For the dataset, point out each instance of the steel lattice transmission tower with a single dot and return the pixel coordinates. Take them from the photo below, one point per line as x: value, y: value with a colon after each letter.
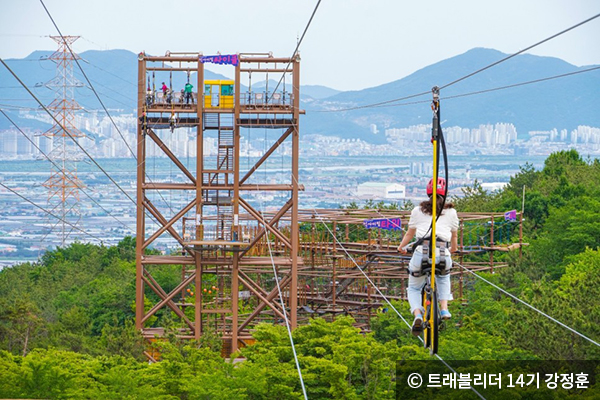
x: 63, y: 184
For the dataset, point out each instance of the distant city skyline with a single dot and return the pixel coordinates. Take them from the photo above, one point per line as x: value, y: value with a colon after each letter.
x: 498, y: 138
x: 350, y: 45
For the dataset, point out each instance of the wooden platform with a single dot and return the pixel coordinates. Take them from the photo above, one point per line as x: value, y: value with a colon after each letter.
x: 215, y: 243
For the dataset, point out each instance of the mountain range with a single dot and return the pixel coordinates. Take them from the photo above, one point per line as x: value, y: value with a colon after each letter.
x: 562, y: 103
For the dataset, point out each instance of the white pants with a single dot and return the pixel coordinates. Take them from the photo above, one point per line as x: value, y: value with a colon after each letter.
x: 415, y: 285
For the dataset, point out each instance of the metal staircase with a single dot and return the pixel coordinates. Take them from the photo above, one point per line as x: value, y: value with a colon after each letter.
x: 222, y: 174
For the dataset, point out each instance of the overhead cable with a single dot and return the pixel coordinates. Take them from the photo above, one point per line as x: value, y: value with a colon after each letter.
x: 287, y: 323
x: 519, y: 52
x: 475, y: 92
x: 49, y: 213
x: 297, y: 47
x: 88, y: 81
x: 470, y: 74
x: 530, y: 306
x: 67, y: 132
x: 59, y: 168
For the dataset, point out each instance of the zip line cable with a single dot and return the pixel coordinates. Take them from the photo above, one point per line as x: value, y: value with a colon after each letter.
x: 49, y: 213
x: 384, y: 297
x: 374, y: 286
x: 295, y: 50
x: 475, y: 92
x: 381, y: 104
x: 520, y: 84
x: 516, y: 298
x: 100, y: 100
x: 58, y: 167
x: 472, y: 73
x: 287, y: 323
x: 519, y: 52
x: 529, y: 305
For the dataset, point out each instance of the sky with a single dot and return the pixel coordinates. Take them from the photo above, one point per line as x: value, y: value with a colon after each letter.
x: 350, y: 45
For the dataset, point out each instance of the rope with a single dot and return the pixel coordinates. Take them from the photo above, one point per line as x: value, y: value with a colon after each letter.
x: 530, y: 306
x: 385, y: 298
x: 287, y: 323
x: 520, y: 51
x: 296, y: 50
x: 471, y: 74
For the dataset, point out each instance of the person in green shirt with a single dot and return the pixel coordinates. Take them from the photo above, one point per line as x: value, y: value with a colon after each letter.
x: 188, y: 93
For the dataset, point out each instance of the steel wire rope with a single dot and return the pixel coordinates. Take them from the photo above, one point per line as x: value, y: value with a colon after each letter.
x: 530, y: 306
x: 371, y: 282
x: 386, y: 299
x: 276, y: 276
x: 295, y: 50
x: 472, y: 73
x: 58, y: 167
x: 87, y: 79
x: 365, y: 275
x: 65, y: 130
x: 494, y: 89
x: 519, y: 52
x: 381, y: 294
x: 69, y: 134
x: 98, y: 97
x: 287, y: 323
x: 49, y: 213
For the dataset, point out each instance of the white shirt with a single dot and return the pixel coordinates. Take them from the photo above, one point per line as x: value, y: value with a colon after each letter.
x: 445, y: 225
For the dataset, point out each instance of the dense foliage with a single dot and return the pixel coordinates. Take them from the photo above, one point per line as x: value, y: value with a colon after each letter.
x: 66, y: 327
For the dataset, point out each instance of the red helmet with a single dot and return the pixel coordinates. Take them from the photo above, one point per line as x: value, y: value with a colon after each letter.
x: 441, y: 187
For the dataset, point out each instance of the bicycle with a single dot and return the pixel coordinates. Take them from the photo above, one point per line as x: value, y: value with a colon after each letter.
x: 432, y: 320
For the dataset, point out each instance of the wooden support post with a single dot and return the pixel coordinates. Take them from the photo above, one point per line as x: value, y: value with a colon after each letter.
x: 141, y: 194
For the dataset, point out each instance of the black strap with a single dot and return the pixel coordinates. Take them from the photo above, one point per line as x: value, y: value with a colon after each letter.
x: 439, y: 142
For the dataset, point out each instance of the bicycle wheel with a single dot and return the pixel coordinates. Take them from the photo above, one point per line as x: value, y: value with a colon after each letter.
x: 426, y: 330
x: 435, y: 323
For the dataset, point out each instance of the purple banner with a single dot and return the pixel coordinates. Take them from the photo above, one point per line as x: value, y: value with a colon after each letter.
x: 510, y: 215
x: 229, y: 59
x: 387, y: 224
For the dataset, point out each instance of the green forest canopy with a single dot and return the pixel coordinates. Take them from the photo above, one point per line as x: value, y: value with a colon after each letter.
x: 66, y: 322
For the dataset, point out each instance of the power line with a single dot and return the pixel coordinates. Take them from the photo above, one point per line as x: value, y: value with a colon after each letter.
x: 115, y: 75
x: 58, y: 167
x: 88, y: 81
x: 49, y: 213
x: 530, y: 306
x: 98, y: 97
x: 66, y: 131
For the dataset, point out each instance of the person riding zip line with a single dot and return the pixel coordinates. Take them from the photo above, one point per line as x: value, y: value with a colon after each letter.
x: 446, y: 229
